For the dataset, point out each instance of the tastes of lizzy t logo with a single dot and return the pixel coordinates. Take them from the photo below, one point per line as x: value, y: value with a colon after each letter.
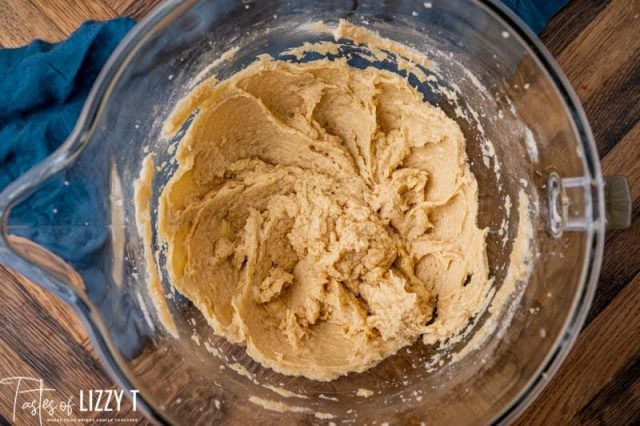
x: 32, y: 398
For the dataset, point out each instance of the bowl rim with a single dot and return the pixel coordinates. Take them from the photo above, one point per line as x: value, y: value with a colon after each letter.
x: 594, y: 246
x: 99, y: 96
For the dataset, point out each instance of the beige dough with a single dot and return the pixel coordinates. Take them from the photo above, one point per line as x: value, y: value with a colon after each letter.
x: 323, y: 216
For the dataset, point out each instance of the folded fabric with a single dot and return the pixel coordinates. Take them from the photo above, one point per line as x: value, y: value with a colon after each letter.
x: 536, y: 13
x: 43, y: 87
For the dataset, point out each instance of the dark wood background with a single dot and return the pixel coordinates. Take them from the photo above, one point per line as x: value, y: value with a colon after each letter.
x: 596, y: 42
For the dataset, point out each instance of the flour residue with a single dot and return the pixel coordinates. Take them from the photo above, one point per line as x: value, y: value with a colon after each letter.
x: 281, y: 407
x: 531, y: 145
x: 507, y: 299
x: 142, y: 202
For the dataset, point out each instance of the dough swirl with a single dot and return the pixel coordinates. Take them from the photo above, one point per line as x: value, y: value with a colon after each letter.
x: 318, y: 215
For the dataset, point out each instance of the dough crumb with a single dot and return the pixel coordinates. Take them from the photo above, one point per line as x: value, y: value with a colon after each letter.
x: 365, y: 393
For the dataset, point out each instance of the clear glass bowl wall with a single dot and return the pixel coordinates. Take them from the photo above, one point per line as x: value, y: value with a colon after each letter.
x: 180, y: 380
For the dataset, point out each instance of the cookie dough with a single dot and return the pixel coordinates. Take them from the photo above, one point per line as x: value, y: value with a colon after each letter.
x: 322, y: 215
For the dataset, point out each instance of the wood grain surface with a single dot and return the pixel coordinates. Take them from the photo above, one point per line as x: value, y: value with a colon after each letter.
x: 596, y: 42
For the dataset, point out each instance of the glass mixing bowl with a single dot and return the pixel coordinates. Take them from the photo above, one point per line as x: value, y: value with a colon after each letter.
x: 507, y: 90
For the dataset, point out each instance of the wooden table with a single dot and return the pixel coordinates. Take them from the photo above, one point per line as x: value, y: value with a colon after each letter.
x: 596, y: 42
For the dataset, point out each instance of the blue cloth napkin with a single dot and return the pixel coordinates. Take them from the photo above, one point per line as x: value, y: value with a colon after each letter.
x: 536, y: 13
x: 43, y: 87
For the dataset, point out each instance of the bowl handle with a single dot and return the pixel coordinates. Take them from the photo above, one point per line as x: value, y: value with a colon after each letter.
x: 568, y: 198
x: 618, y: 202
